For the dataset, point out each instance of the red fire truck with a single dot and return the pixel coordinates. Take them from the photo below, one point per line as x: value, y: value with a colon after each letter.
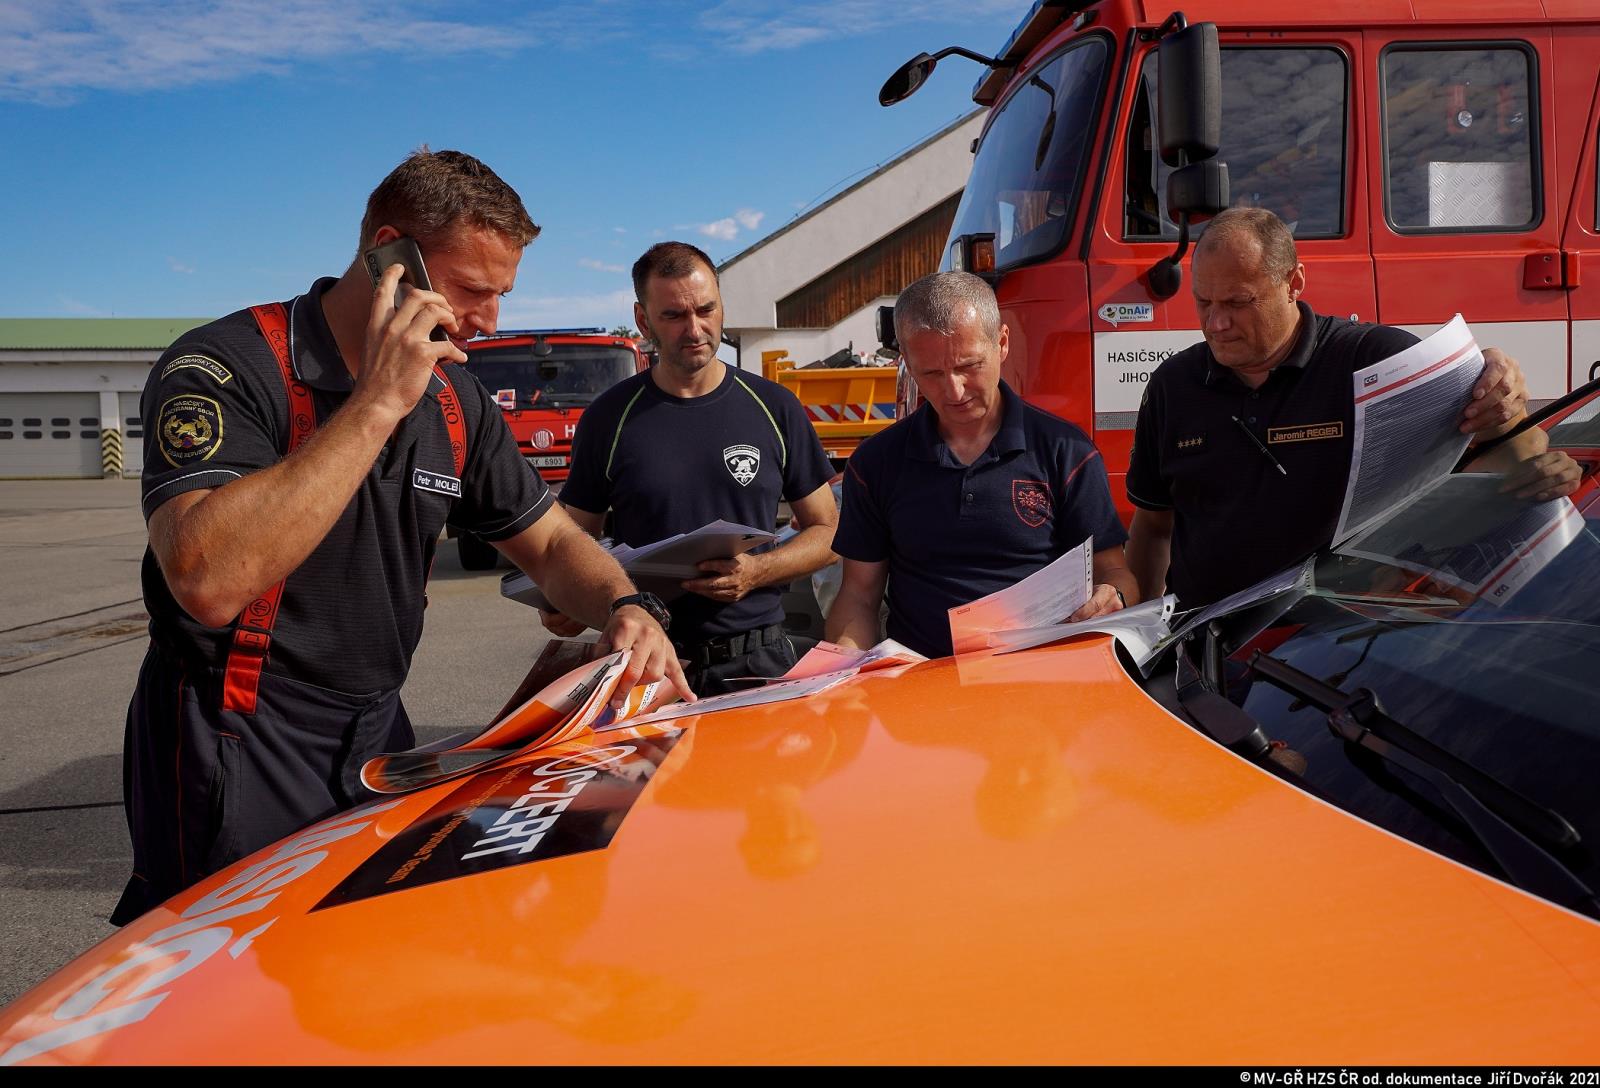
x: 1432, y: 156
x: 543, y: 379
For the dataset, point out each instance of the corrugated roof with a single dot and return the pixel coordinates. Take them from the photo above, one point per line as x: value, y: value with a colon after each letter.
x: 90, y: 333
x: 890, y: 165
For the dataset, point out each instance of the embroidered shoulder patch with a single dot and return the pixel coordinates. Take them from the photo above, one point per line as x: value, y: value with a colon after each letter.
x: 191, y: 429
x: 200, y: 362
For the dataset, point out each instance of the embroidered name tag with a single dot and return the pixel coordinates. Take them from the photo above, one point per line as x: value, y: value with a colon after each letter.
x: 1310, y: 432
x: 436, y: 481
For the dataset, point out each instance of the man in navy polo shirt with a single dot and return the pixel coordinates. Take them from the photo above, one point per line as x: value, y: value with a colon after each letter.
x: 691, y: 441
x: 971, y: 493
x: 1242, y: 448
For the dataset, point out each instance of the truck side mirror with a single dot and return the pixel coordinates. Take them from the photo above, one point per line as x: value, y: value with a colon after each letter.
x: 1190, y: 102
x: 886, y: 335
x: 906, y: 79
x: 1190, y: 124
x: 1201, y: 188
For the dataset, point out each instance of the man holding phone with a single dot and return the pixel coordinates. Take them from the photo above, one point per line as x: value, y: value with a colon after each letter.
x: 301, y: 459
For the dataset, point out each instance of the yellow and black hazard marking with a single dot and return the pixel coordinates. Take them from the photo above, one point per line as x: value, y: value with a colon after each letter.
x: 191, y: 429
x: 110, y: 452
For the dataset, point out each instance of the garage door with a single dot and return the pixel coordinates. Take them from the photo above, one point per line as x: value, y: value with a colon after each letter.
x: 50, y: 434
x: 132, y: 434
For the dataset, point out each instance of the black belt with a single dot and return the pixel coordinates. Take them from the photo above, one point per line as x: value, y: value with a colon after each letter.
x: 714, y: 651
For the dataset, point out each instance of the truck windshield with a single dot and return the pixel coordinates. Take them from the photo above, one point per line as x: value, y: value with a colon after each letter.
x: 571, y: 375
x: 1032, y: 158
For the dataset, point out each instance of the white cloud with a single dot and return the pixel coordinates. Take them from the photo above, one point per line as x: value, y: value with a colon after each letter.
x: 600, y: 266
x: 757, y: 26
x: 620, y: 230
x: 567, y: 311
x: 178, y: 266
x: 55, y: 51
x: 725, y: 230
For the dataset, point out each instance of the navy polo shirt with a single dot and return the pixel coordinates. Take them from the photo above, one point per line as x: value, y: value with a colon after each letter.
x: 1236, y: 518
x: 215, y: 409
x: 664, y: 465
x: 952, y: 533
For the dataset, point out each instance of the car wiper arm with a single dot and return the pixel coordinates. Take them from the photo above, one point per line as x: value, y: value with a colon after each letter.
x: 1510, y: 825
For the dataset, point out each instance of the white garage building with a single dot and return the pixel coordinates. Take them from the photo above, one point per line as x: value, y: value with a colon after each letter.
x: 69, y: 392
x: 814, y: 285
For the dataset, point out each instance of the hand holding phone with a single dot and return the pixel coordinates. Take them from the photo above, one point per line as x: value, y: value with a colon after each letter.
x: 403, y: 252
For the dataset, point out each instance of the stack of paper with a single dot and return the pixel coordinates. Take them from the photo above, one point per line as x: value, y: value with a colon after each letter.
x: 1046, y: 596
x: 660, y: 567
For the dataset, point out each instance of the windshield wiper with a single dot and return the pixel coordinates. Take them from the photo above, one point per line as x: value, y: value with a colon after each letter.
x: 1514, y: 828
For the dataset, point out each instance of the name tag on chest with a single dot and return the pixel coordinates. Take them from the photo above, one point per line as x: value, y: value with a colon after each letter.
x: 424, y: 480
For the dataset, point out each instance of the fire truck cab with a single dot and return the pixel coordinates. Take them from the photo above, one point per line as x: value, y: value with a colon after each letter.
x: 543, y: 379
x: 1431, y: 156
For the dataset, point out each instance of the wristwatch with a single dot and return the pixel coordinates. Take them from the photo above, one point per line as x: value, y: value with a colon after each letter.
x: 650, y: 603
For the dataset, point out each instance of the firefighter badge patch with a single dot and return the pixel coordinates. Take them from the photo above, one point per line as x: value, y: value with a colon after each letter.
x: 1031, y: 500
x: 743, y: 463
x: 191, y: 429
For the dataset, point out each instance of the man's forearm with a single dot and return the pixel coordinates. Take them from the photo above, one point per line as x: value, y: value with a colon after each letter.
x: 243, y: 537
x: 1148, y: 558
x: 582, y: 580
x: 852, y: 623
x: 809, y: 550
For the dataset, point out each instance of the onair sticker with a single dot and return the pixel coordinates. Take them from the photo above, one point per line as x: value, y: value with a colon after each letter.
x: 436, y: 481
x: 1133, y: 313
x: 547, y: 808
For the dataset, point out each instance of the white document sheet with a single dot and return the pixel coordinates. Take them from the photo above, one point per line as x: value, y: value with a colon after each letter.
x: 825, y: 658
x: 1137, y: 628
x: 1408, y: 412
x: 779, y: 692
x: 1046, y: 596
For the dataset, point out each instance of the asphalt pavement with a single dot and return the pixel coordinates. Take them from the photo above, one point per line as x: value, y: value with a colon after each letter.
x: 72, y: 634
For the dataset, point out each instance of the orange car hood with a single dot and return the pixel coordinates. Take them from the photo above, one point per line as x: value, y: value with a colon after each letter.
x: 991, y: 859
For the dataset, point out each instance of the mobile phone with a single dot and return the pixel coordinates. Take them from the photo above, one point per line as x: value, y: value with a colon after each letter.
x: 404, y: 252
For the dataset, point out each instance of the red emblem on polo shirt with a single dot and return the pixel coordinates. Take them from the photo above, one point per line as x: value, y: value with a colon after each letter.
x: 1031, y: 500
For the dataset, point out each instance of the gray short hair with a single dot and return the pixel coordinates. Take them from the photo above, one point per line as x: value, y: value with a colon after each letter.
x: 1278, y: 258
x: 941, y: 301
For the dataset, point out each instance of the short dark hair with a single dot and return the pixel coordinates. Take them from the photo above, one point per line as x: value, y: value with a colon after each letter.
x: 432, y: 192
x: 940, y: 301
x: 670, y: 260
x: 1278, y: 257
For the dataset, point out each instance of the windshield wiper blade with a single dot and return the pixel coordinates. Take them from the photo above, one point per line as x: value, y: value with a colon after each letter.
x: 1510, y: 825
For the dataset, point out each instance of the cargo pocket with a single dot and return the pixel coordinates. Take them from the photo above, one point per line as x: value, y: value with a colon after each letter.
x: 226, y: 783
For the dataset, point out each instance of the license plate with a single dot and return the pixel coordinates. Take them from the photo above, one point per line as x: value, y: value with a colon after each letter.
x: 548, y: 462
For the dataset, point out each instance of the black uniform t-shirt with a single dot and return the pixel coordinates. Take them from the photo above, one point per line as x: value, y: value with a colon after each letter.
x: 664, y: 465
x: 1237, y: 519
x: 215, y: 410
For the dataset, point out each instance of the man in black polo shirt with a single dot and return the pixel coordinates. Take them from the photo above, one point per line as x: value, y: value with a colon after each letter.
x: 972, y: 492
x: 689, y: 442
x: 1243, y: 442
x: 286, y: 591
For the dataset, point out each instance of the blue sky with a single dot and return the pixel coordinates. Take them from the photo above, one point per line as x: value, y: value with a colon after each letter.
x: 188, y: 159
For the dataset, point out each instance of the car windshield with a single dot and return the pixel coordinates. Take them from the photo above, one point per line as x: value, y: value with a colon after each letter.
x: 1468, y: 614
x: 1031, y: 161
x: 568, y: 375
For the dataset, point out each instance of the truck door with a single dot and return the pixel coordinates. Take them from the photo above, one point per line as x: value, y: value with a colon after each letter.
x: 1578, y: 55
x: 1288, y: 103
x: 1467, y: 209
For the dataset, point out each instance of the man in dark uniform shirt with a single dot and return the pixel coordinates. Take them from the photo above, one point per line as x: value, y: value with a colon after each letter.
x: 286, y: 591
x: 972, y: 492
x: 1242, y: 447
x: 692, y: 441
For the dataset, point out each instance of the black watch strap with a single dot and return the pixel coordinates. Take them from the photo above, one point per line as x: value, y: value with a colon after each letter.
x: 650, y: 603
